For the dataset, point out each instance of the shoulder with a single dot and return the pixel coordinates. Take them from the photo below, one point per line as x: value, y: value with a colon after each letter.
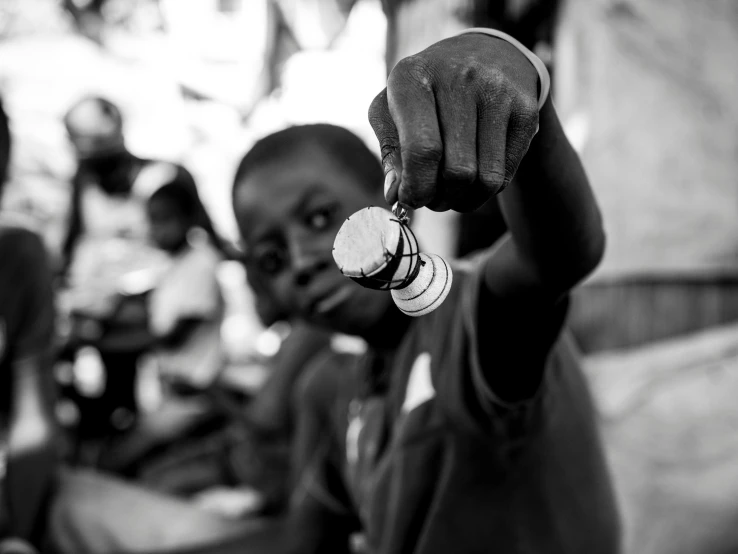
x: 328, y: 377
x: 20, y: 244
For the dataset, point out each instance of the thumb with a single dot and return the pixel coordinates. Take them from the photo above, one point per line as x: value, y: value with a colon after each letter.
x: 389, y: 144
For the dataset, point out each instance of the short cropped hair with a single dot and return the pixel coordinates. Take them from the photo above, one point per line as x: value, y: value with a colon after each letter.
x: 342, y: 145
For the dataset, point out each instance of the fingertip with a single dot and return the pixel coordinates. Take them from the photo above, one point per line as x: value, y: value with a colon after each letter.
x: 390, y: 186
x: 408, y: 199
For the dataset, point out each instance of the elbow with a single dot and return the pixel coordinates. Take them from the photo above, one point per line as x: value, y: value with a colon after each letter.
x: 579, y: 263
x: 590, y: 248
x: 593, y: 252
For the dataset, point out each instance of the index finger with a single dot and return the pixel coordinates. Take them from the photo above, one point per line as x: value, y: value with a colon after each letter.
x: 389, y: 144
x: 412, y: 107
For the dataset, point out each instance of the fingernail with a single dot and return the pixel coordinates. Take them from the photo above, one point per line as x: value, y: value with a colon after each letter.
x: 389, y: 180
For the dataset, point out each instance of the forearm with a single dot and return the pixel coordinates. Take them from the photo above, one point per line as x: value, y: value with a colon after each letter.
x: 270, y: 537
x: 551, y: 211
x: 297, y: 533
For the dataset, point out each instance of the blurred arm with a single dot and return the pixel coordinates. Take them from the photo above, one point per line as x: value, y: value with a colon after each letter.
x: 32, y: 453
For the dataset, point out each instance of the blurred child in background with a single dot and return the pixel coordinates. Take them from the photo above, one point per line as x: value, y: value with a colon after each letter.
x: 185, y: 311
x: 186, y: 307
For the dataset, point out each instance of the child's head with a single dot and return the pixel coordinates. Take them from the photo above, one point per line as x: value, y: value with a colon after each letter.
x: 95, y: 128
x: 292, y: 192
x: 172, y: 211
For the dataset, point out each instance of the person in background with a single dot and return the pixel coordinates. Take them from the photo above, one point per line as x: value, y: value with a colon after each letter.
x: 186, y: 306
x: 185, y: 312
x: 28, y: 451
x: 109, y: 262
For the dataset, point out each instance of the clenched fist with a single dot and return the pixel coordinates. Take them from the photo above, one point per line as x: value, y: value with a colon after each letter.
x: 455, y: 121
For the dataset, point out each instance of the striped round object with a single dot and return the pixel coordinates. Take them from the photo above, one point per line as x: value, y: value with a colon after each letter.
x: 377, y: 249
x: 428, y: 290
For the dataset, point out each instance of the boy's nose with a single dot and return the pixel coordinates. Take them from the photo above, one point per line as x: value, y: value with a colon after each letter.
x: 305, y: 261
x: 305, y: 272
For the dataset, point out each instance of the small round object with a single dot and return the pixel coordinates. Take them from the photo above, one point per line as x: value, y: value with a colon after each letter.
x: 428, y: 290
x: 376, y: 249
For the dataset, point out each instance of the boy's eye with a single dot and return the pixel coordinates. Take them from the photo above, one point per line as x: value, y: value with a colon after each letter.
x: 321, y: 218
x: 271, y: 261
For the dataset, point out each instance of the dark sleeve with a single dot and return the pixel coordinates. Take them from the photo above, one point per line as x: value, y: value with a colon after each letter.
x: 28, y: 311
x: 321, y: 398
x: 272, y: 409
x: 493, y: 353
x: 26, y: 292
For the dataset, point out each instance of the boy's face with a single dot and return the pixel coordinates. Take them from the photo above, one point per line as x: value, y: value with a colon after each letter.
x: 289, y: 212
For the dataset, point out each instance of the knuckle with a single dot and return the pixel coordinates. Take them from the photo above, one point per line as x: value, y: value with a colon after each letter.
x: 496, y: 82
x: 416, y: 196
x: 464, y: 172
x: 424, y: 150
x: 414, y: 70
x: 527, y: 110
x: 470, y: 72
x: 493, y: 179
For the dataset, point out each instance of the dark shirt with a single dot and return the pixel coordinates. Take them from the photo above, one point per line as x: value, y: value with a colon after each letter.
x: 26, y: 301
x: 441, y: 463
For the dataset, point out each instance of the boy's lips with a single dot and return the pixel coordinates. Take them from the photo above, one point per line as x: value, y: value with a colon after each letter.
x: 331, y: 299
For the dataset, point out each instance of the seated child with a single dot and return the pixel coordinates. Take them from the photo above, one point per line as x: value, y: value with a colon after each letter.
x: 185, y: 313
x: 185, y: 307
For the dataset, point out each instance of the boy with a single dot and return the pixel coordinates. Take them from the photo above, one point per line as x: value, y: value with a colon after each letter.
x: 474, y: 431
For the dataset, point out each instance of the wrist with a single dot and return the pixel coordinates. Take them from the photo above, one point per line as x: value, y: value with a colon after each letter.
x: 544, y: 79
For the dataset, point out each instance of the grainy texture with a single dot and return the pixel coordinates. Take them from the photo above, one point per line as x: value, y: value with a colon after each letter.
x: 648, y: 87
x: 668, y: 416
x: 625, y: 313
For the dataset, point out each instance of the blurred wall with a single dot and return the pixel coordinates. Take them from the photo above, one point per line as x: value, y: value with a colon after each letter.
x: 646, y: 91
